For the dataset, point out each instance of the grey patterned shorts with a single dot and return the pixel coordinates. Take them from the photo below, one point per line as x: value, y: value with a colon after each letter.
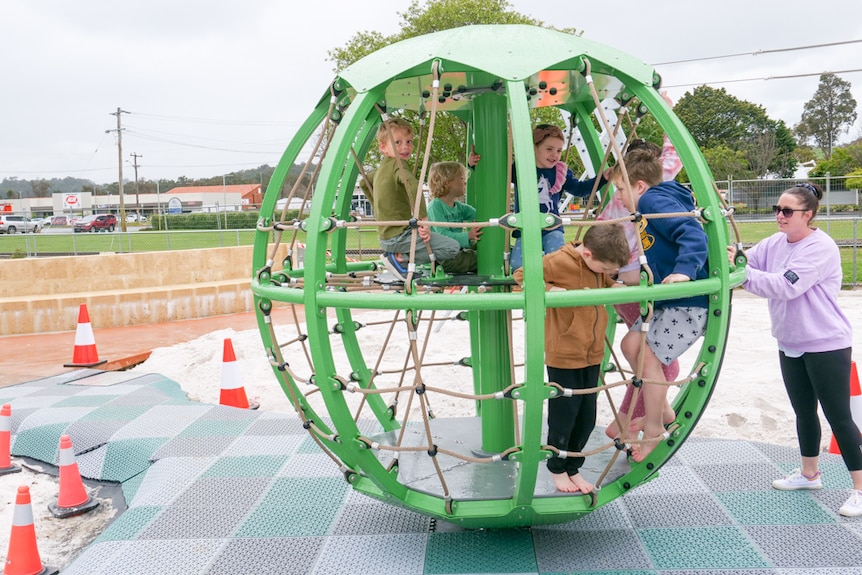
x: 673, y: 330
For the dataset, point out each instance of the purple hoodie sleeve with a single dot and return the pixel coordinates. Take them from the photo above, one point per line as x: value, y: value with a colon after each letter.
x: 798, y: 272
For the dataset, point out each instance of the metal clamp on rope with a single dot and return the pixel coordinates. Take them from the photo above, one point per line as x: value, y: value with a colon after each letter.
x: 509, y: 392
x: 552, y: 221
x: 624, y: 98
x: 267, y: 269
x: 507, y: 455
x: 510, y: 222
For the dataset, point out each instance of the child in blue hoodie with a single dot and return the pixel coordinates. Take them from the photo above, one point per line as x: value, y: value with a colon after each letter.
x: 676, y: 251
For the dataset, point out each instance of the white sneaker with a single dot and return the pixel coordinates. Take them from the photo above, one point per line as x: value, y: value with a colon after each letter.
x: 853, y: 506
x: 796, y: 481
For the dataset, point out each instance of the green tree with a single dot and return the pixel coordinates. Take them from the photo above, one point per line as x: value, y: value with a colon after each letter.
x: 840, y: 164
x: 854, y: 179
x: 830, y: 112
x: 719, y: 120
x: 450, y: 132
x: 724, y: 163
x: 716, y: 118
x: 855, y: 151
x: 41, y: 188
x: 434, y: 16
x: 784, y: 164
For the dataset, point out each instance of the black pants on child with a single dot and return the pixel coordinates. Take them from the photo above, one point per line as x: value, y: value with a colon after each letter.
x: 825, y: 378
x: 571, y: 419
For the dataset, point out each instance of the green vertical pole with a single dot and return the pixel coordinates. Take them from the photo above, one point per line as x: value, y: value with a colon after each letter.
x: 489, y: 329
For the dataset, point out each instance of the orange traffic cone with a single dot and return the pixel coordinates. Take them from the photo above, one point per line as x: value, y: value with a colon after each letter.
x: 855, y: 405
x: 85, y: 342
x: 232, y: 391
x: 23, y: 556
x: 6, y: 465
x: 73, y: 498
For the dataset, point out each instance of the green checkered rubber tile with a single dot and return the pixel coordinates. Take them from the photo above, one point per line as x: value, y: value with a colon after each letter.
x: 212, y: 489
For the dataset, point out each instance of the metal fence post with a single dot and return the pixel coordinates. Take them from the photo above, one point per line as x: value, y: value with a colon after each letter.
x: 730, y: 190
x: 828, y: 201
x: 855, y: 249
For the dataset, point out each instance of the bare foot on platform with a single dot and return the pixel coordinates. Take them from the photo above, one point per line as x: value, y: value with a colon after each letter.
x: 572, y: 483
x: 563, y: 483
x: 648, y: 443
x: 637, y: 424
x: 582, y: 484
x: 640, y: 452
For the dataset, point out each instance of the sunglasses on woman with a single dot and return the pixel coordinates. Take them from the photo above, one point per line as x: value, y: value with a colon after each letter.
x: 786, y: 212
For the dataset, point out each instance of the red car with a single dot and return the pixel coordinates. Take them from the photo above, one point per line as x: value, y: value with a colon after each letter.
x: 97, y: 223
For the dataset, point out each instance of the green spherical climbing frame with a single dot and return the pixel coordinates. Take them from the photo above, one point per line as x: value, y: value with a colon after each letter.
x: 490, y: 77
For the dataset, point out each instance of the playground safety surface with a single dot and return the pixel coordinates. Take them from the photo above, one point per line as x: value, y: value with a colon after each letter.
x: 213, y: 489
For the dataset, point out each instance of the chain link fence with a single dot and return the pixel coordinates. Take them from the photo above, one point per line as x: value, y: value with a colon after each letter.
x: 753, y: 199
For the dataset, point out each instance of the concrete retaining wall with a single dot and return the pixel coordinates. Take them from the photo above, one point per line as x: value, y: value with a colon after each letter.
x: 40, y: 295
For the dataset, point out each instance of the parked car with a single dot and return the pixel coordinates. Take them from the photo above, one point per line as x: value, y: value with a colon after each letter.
x: 14, y: 224
x: 60, y: 221
x: 96, y: 223
x: 133, y: 217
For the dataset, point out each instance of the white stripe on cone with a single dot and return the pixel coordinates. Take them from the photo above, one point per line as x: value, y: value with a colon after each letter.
x: 72, y: 490
x: 232, y: 392
x: 85, y: 353
x: 23, y: 514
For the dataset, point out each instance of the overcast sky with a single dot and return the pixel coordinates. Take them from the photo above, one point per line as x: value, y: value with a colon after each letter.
x: 217, y: 86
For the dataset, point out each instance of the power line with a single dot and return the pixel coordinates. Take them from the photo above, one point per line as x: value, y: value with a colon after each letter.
x: 157, y: 133
x: 784, y: 77
x: 144, y: 136
x: 215, y: 121
x: 758, y: 52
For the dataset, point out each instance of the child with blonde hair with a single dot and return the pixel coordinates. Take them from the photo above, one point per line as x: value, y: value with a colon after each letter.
x: 394, y: 190
x: 447, y: 182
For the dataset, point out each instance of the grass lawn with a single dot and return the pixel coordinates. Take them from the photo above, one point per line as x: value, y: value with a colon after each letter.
x: 844, y: 231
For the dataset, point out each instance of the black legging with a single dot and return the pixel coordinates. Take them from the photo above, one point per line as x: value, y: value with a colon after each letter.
x: 571, y: 419
x: 823, y: 377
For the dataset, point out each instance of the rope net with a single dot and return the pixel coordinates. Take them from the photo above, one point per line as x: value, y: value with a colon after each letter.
x: 411, y: 364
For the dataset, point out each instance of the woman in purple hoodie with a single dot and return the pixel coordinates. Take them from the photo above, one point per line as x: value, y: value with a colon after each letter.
x: 798, y: 269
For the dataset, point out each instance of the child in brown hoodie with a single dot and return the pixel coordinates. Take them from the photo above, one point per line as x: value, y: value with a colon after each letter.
x: 575, y: 343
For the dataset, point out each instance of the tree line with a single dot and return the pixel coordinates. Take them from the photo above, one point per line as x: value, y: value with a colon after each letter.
x: 737, y: 138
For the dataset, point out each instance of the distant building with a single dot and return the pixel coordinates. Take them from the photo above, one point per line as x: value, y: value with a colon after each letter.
x: 214, y: 198
x: 187, y: 199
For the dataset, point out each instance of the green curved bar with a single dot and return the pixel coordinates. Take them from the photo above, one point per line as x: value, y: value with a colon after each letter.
x: 495, y: 66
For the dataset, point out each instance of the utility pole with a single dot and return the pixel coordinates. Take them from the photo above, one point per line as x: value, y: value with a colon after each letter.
x: 137, y: 197
x: 119, y: 114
